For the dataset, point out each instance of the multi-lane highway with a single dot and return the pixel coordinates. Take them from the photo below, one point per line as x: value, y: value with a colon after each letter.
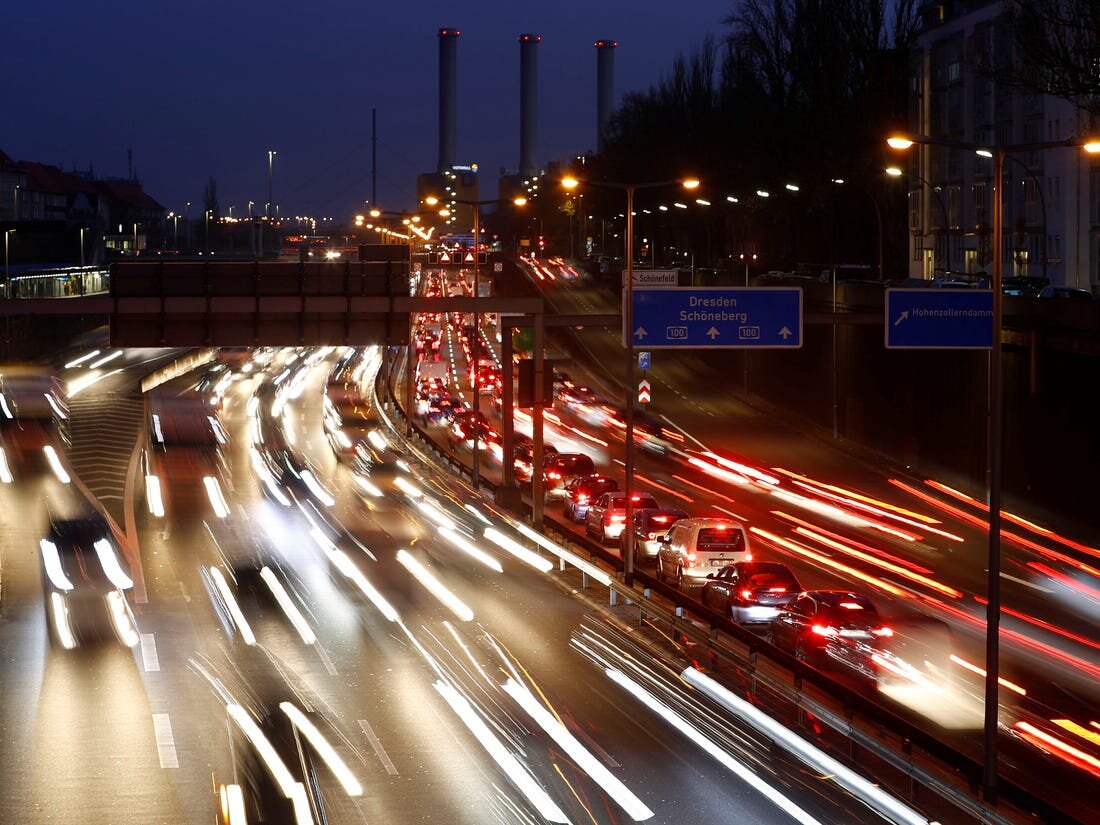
x: 346, y: 643
x: 435, y: 713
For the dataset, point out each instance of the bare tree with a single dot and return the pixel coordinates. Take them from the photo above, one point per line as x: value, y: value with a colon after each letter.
x: 1056, y: 50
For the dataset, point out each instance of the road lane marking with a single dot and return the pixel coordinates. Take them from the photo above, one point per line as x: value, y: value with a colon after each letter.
x: 326, y: 660
x: 375, y: 743
x: 166, y: 744
x: 149, y: 656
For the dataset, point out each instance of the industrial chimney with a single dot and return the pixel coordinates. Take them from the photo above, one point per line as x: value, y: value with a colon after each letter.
x: 448, y: 97
x: 528, y: 104
x: 605, y: 88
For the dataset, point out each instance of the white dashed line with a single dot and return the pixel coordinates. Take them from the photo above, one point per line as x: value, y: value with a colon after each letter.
x: 326, y: 660
x: 149, y: 656
x: 166, y: 744
x: 375, y: 743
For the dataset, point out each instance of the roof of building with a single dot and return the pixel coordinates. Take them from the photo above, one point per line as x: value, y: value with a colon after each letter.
x: 42, y: 177
x: 127, y: 193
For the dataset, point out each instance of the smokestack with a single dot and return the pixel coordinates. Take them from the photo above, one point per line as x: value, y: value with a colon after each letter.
x: 448, y: 97
x: 528, y: 103
x: 605, y: 89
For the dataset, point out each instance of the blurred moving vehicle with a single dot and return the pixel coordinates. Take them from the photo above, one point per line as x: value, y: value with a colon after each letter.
x: 835, y: 624
x: 695, y: 547
x: 283, y: 764
x: 348, y: 416
x: 650, y: 526
x: 560, y: 470
x: 582, y: 491
x: 751, y: 592
x: 606, y: 516
x: 182, y: 462
x: 84, y: 579
x: 34, y: 421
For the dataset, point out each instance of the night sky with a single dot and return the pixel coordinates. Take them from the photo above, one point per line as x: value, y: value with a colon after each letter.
x: 200, y: 89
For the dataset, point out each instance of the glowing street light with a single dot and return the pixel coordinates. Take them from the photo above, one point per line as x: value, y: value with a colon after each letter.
x: 628, y: 321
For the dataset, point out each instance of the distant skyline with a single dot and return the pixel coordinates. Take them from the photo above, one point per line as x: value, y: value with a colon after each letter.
x: 204, y: 89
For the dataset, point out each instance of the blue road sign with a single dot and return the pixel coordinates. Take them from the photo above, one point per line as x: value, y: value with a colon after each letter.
x: 717, y: 318
x: 644, y: 360
x: 939, y: 319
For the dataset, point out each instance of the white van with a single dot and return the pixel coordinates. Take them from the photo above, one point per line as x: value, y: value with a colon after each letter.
x: 697, y: 546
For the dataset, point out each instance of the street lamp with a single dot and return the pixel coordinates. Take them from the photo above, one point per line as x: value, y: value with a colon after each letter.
x: 7, y: 274
x: 996, y: 426
x: 628, y: 326
x: 433, y: 200
x: 270, y: 165
x: 896, y: 172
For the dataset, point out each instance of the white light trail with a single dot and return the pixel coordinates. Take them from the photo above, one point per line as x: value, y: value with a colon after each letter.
x: 407, y: 487
x: 470, y: 549
x: 518, y: 550
x: 735, y: 766
x: 345, y: 566
x: 111, y: 568
x: 78, y: 361
x: 55, y: 464
x: 214, y: 493
x: 614, y: 788
x: 592, y: 570
x: 332, y: 759
x: 153, y: 497
x: 105, y: 359
x: 287, y: 604
x: 234, y: 609
x: 120, y: 618
x: 51, y: 560
x: 436, y: 514
x: 367, y: 486
x: 61, y: 621
x: 5, y: 471
x: 818, y: 760
x: 315, y: 487
x: 508, y: 763
x: 423, y: 575
x: 291, y: 789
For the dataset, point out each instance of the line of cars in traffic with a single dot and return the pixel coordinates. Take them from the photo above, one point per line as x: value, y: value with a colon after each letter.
x: 713, y: 558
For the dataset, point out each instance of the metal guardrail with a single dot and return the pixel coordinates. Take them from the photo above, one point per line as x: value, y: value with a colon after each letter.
x: 711, y: 631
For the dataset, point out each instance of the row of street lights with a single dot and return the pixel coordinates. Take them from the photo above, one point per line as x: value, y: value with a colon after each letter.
x: 995, y: 446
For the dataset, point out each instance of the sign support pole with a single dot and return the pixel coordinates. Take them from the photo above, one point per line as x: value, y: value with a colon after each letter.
x: 628, y: 528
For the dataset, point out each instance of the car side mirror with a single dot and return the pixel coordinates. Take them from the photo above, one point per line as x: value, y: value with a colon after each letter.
x: 664, y: 541
x: 710, y: 575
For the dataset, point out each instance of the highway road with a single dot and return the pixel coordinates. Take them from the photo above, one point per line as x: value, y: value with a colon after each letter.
x: 106, y: 733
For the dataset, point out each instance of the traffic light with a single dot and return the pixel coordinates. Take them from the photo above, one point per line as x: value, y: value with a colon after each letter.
x: 525, y: 399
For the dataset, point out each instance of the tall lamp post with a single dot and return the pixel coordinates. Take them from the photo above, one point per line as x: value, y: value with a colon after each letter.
x: 433, y: 200
x: 270, y: 168
x: 996, y: 427
x: 7, y: 274
x: 628, y: 327
x: 896, y: 172
x: 1042, y: 203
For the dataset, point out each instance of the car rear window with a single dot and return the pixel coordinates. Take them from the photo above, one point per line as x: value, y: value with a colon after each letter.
x: 713, y: 539
x: 575, y: 465
x: 768, y: 581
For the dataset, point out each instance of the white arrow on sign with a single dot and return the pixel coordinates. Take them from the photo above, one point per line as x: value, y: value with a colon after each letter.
x: 785, y: 333
x: 902, y: 317
x: 713, y: 333
x: 640, y: 333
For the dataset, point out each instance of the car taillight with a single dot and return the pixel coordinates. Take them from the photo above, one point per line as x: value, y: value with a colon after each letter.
x: 690, y: 558
x: 552, y: 474
x: 651, y: 536
x: 746, y: 595
x: 777, y: 590
x: 824, y: 630
x: 582, y: 497
x: 616, y: 517
x: 883, y: 632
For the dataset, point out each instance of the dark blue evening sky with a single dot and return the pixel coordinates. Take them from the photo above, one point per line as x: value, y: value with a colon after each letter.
x: 201, y: 88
